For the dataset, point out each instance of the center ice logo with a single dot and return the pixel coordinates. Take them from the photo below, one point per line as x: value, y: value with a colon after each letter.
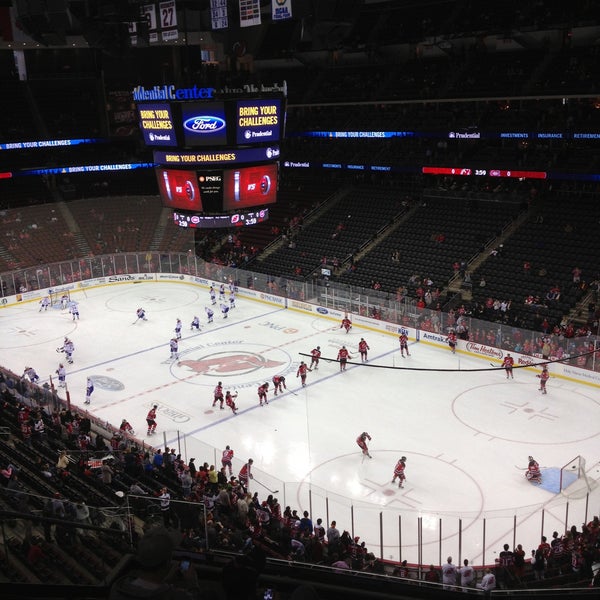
x: 230, y: 363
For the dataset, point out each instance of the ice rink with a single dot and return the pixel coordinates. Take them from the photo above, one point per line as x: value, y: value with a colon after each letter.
x: 465, y: 434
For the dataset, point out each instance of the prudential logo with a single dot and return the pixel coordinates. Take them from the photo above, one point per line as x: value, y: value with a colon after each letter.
x: 202, y: 124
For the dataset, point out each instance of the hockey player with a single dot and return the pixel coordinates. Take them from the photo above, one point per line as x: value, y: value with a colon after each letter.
x: 209, y: 313
x: 361, y: 440
x: 508, y: 364
x: 403, y: 339
x: 533, y: 472
x: 302, y: 369
x: 178, y: 329
x: 224, y: 310
x: 151, y: 419
x: 452, y: 341
x: 195, y: 324
x: 68, y: 348
x: 543, y: 377
x: 64, y: 302
x: 230, y: 401
x: 44, y: 303
x: 346, y: 324
x: 245, y: 474
x: 89, y: 388
x: 62, y: 375
x: 126, y: 427
x: 74, y: 309
x: 218, y: 395
x: 227, y: 457
x: 399, y: 472
x: 174, y: 347
x: 213, y: 295
x: 222, y: 293
x: 262, y: 393
x: 141, y: 314
x: 279, y: 383
x: 30, y: 372
x: 362, y: 348
x: 342, y: 357
x: 232, y: 299
x: 315, y: 355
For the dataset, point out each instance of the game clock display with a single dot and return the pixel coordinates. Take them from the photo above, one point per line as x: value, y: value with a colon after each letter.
x: 249, y: 186
x: 237, y: 219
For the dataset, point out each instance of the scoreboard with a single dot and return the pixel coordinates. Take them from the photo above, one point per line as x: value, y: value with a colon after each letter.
x: 216, y: 157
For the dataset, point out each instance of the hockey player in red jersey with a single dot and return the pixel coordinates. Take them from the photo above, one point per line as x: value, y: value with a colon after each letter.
x: 543, y: 377
x: 362, y: 348
x: 126, y: 427
x: 399, y: 472
x: 245, y: 474
x: 262, y: 393
x: 151, y: 419
x: 403, y: 339
x: 346, y: 324
x: 361, y: 440
x: 452, y: 341
x: 226, y: 458
x: 315, y: 354
x: 279, y: 383
x: 343, y: 356
x: 230, y: 401
x: 533, y: 472
x: 302, y: 370
x: 508, y: 364
x: 218, y: 395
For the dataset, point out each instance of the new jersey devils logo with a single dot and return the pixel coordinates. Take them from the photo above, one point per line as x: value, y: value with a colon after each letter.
x: 230, y: 363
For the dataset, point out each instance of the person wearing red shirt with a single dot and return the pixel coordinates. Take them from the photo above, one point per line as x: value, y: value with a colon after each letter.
x: 361, y: 440
x: 302, y: 370
x: 230, y: 401
x: 279, y: 383
x: 226, y: 458
x: 316, y: 354
x: 403, y: 338
x: 262, y: 393
x: 452, y: 341
x: 346, y: 324
x: 151, y: 419
x: 543, y: 377
x: 533, y: 472
x: 126, y: 427
x: 362, y: 348
x: 343, y: 357
x: 399, y: 472
x: 508, y: 364
x: 218, y: 395
x: 245, y: 474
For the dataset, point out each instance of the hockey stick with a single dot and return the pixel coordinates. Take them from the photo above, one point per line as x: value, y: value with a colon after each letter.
x: 266, y: 488
x: 136, y: 321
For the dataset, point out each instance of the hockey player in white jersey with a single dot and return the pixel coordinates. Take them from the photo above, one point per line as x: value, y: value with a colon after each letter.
x: 174, y: 347
x: 44, y: 303
x: 64, y: 302
x: 74, y: 309
x: 222, y: 293
x: 195, y: 324
x: 30, y: 372
x: 68, y: 348
x: 231, y: 299
x: 178, y: 329
x: 224, y: 310
x: 141, y: 314
x: 213, y: 295
x: 62, y: 375
x: 209, y: 313
x: 89, y: 388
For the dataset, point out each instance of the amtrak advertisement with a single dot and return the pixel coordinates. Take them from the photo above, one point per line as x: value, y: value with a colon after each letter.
x: 258, y: 121
x: 204, y: 124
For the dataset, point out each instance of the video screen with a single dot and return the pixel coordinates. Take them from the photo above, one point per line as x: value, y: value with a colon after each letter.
x: 249, y: 186
x: 204, y: 124
x: 258, y: 121
x: 156, y: 124
x: 179, y: 189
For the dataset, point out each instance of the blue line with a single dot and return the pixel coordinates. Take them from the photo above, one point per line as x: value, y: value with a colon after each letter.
x: 233, y: 324
x: 257, y: 406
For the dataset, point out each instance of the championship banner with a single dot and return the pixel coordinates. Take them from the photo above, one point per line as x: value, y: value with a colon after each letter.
x: 249, y: 13
x: 148, y: 12
x: 281, y: 10
x: 218, y: 14
x: 168, y: 21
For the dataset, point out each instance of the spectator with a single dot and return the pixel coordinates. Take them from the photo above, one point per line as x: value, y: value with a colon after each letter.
x: 488, y: 583
x: 467, y: 575
x: 449, y: 574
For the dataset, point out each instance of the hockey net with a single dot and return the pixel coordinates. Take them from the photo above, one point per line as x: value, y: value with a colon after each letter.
x: 574, y: 480
x: 56, y: 296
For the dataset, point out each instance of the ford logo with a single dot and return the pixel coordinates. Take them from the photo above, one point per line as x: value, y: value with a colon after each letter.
x: 204, y: 124
x: 322, y: 311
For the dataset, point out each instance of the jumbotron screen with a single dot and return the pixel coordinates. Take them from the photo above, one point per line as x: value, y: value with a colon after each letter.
x: 249, y: 186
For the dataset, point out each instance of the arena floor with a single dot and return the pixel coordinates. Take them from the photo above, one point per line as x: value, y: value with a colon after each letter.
x: 466, y: 435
